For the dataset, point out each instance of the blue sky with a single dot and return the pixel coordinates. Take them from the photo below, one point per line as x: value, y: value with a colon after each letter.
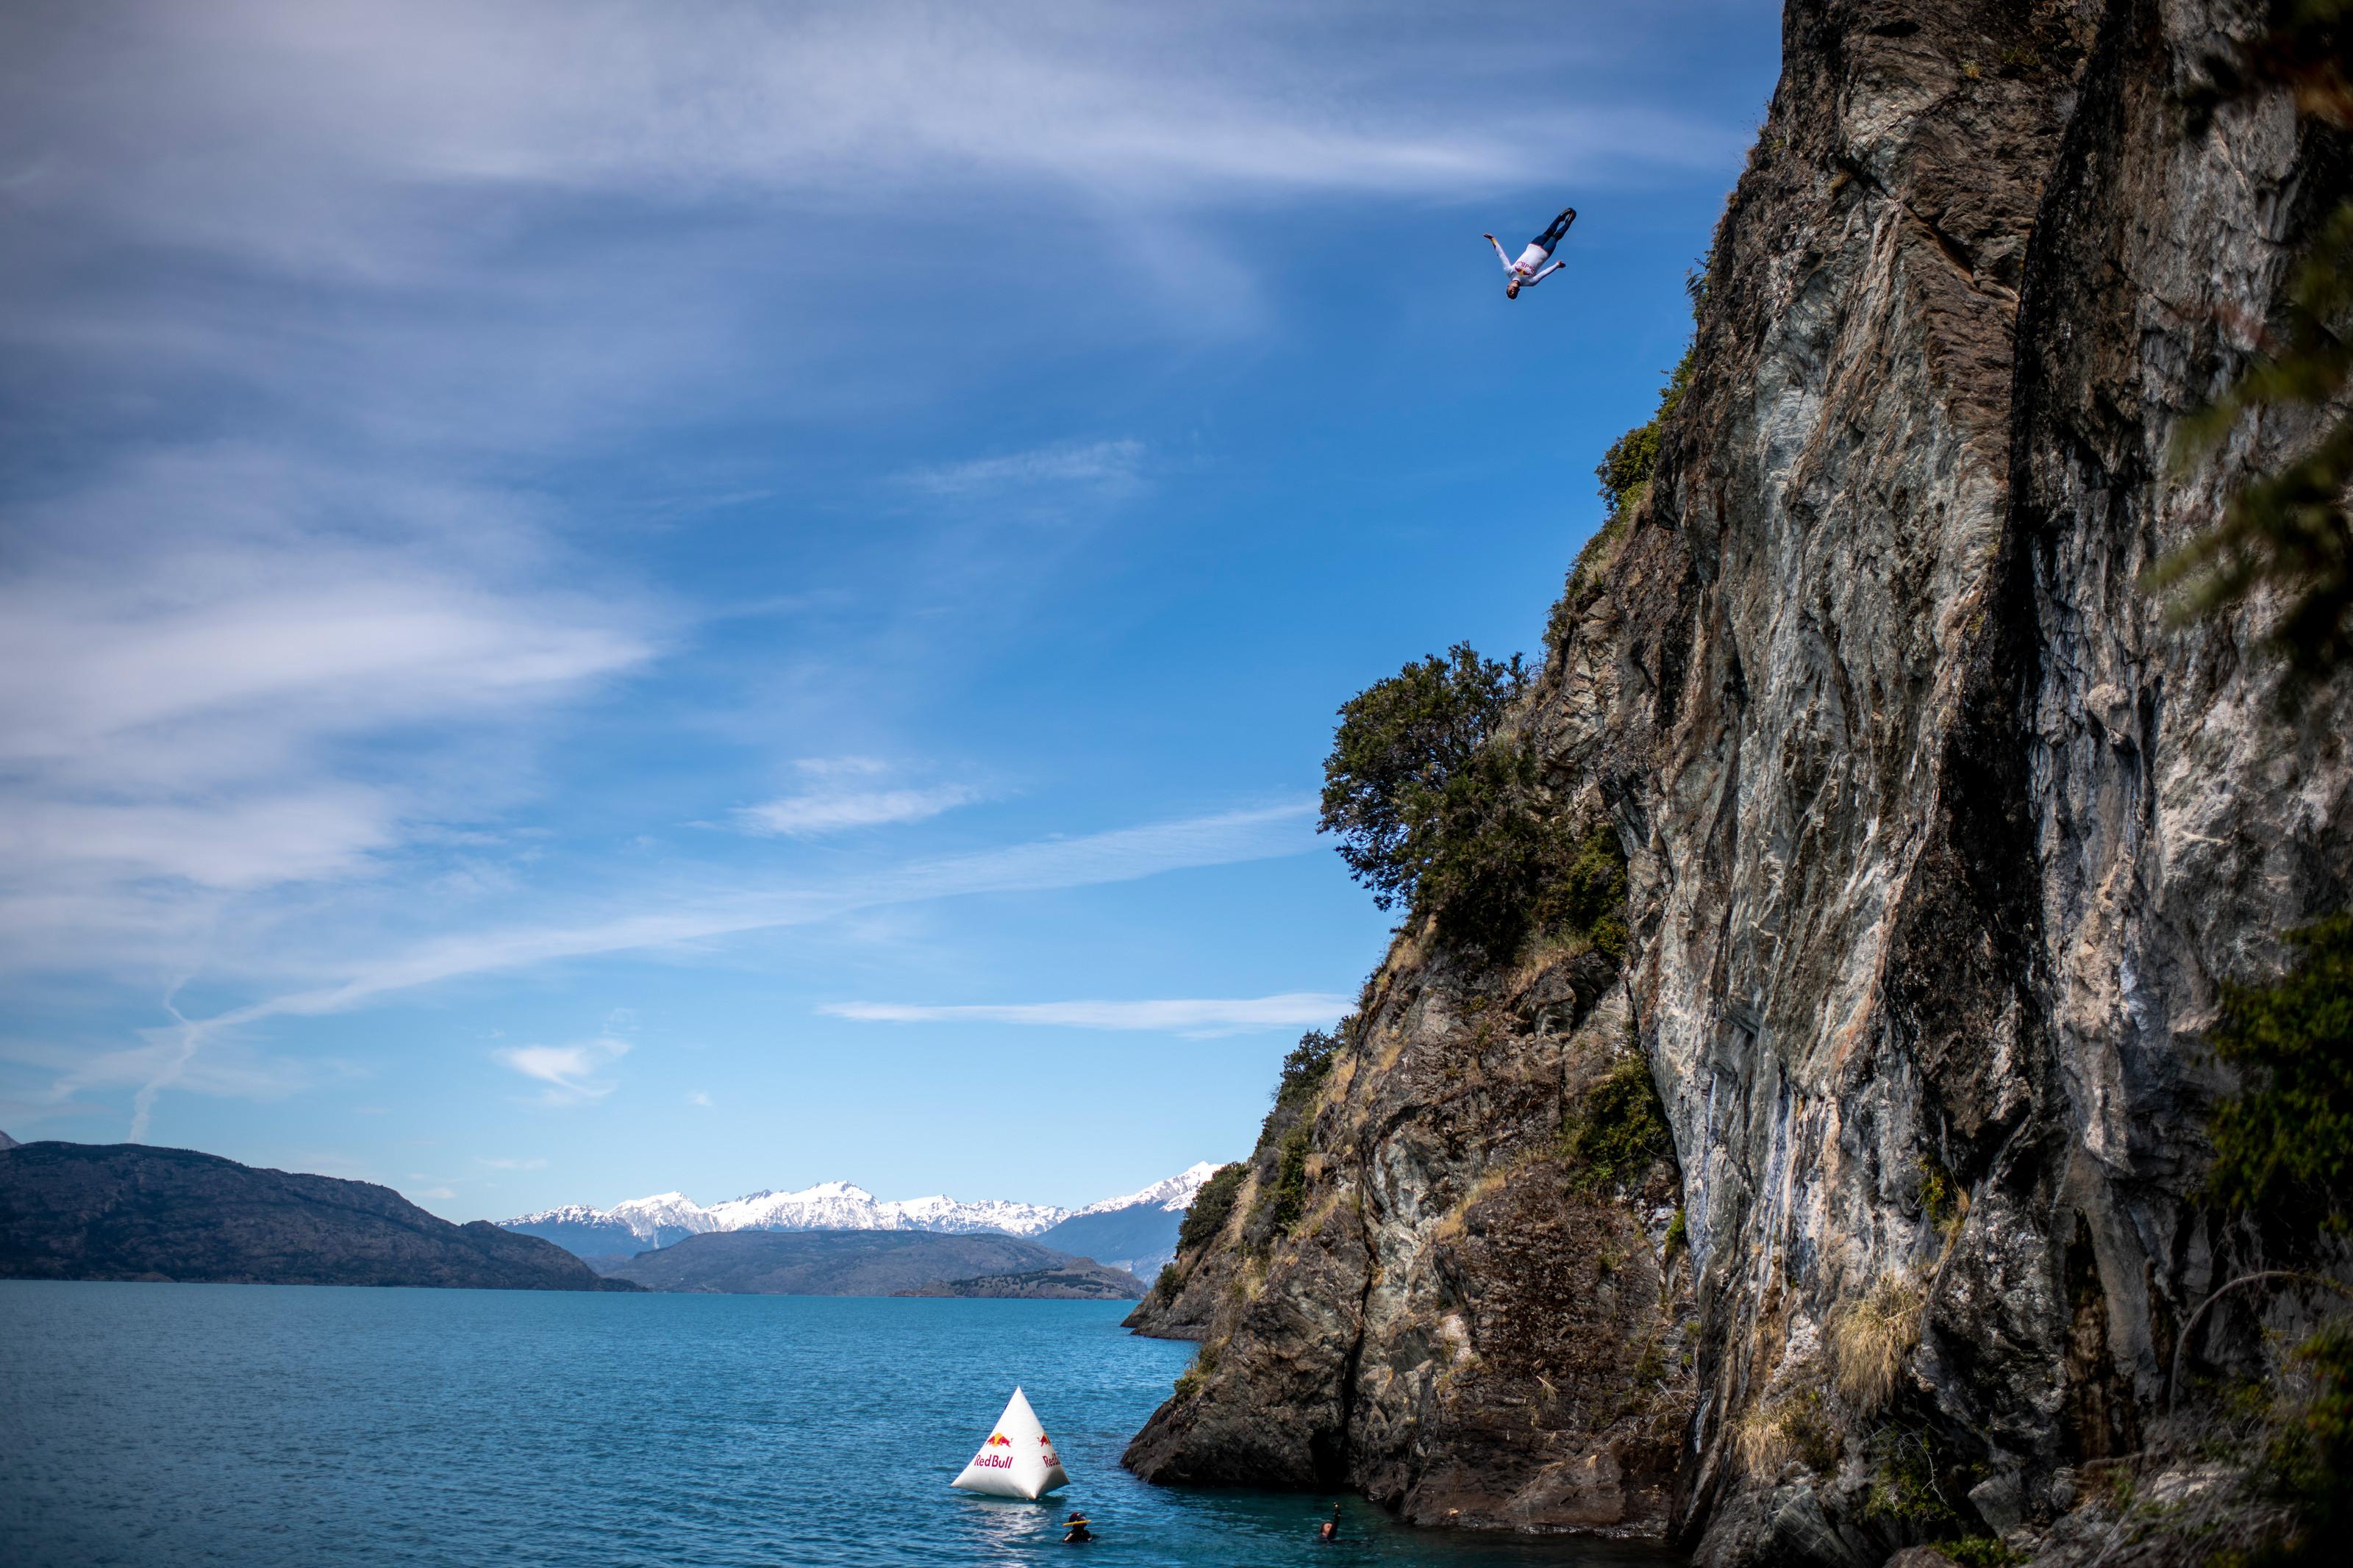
x: 606, y: 598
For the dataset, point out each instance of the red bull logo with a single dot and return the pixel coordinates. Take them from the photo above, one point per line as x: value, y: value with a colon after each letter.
x: 998, y: 1439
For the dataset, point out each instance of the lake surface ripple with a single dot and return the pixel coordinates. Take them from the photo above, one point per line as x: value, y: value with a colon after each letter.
x: 260, y: 1425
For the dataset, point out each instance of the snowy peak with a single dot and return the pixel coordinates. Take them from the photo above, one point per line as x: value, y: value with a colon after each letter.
x: 666, y: 1217
x: 1175, y: 1195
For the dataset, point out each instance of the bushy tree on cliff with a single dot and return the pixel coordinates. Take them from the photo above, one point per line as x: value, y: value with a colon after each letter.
x: 1402, y: 761
x: 1439, y: 811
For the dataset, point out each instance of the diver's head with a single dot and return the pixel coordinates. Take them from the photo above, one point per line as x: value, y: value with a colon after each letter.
x: 1511, y: 289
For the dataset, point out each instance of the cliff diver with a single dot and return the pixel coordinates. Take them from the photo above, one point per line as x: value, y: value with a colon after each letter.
x: 1078, y: 1533
x: 1530, y: 267
x: 1329, y: 1530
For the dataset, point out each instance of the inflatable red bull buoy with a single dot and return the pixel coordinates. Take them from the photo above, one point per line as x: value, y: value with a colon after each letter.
x: 1017, y: 1460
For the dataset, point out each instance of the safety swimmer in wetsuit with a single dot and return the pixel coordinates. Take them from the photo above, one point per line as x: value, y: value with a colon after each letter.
x: 1078, y: 1533
x: 1530, y: 269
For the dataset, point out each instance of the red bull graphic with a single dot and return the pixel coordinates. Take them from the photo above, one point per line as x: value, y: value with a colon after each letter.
x: 1017, y: 1460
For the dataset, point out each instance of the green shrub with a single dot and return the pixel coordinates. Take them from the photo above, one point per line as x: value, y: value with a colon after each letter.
x: 1496, y: 854
x: 1619, y: 1129
x: 1307, y: 1066
x: 1210, y: 1208
x: 1584, y: 583
x: 1625, y: 469
x: 1903, y: 1483
x: 1286, y: 1196
x: 2283, y: 1144
x: 2308, y: 1463
x: 1940, y: 1196
x: 1400, y: 746
x: 1190, y: 1381
x: 1436, y: 810
x: 1588, y: 898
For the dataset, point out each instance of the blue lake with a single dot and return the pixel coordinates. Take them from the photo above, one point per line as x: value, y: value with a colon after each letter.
x: 247, y: 1424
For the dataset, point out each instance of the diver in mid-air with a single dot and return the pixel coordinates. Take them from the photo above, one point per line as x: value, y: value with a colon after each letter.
x: 1530, y: 267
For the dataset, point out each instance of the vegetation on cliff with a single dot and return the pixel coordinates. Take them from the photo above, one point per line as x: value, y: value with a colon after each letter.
x: 1404, y: 763
x: 2284, y: 1146
x: 2284, y: 1141
x: 2287, y: 530
x: 1440, y: 808
x: 1211, y: 1206
x: 1625, y: 469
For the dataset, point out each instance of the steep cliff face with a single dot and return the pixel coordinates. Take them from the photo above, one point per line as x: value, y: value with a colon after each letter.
x: 1938, y: 842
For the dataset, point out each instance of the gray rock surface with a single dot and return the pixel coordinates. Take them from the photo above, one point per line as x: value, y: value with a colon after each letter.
x: 1940, y: 843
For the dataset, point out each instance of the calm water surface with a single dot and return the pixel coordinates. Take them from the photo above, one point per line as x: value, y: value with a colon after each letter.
x: 255, y: 1424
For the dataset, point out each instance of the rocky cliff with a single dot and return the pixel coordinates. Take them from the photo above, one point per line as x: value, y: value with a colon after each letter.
x: 1938, y: 843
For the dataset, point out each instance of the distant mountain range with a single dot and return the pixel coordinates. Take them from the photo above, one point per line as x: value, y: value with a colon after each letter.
x: 1136, y: 1231
x: 125, y: 1211
x: 873, y: 1261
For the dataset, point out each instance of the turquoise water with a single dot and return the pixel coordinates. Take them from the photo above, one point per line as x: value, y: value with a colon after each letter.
x: 258, y: 1425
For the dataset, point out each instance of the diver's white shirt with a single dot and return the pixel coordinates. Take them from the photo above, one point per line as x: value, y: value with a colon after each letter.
x: 1530, y: 267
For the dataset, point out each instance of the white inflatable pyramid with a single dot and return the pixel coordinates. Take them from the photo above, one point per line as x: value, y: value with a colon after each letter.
x: 1018, y: 1460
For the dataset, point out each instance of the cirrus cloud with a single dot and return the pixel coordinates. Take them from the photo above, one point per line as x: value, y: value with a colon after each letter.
x: 569, y: 1071
x: 1192, y: 1016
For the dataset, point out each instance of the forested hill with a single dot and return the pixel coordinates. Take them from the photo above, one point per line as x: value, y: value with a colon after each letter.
x: 125, y: 1211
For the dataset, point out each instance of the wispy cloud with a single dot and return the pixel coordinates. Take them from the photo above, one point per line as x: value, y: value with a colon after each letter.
x: 1196, y: 1016
x: 699, y: 1098
x: 569, y: 1071
x: 1106, y: 468
x: 1121, y: 855
x: 511, y: 1165
x: 232, y: 1069
x: 845, y: 793
x: 195, y: 657
x: 1116, y: 102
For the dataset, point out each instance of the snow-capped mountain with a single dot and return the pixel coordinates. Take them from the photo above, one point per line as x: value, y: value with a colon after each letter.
x: 1137, y: 1232
x: 641, y: 1224
x: 1175, y: 1195
x: 839, y: 1205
